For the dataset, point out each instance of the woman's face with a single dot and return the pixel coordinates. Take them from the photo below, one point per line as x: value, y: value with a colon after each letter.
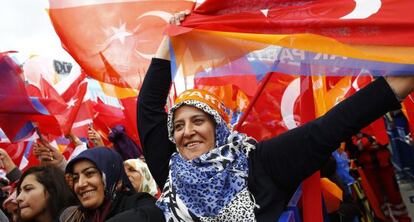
x: 88, y: 184
x: 194, y: 131
x: 33, y: 198
x: 134, y: 176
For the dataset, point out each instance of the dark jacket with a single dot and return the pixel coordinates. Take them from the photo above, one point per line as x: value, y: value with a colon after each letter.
x: 140, y: 206
x: 127, y: 206
x: 278, y: 165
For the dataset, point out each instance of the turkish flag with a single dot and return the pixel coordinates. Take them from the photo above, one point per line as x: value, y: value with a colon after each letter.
x: 276, y: 109
x: 113, y: 41
x: 72, y: 88
x: 130, y: 112
x: 15, y: 150
x: 83, y: 119
x: 345, y: 20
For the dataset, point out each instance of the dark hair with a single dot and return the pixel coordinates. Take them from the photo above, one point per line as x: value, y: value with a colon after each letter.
x: 60, y: 196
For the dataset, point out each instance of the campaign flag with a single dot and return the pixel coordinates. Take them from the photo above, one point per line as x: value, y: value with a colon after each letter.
x: 282, y: 36
x: 345, y: 20
x: 113, y: 41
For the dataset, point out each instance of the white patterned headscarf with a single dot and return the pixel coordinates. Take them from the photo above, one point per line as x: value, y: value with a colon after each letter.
x: 213, y: 186
x: 148, y: 184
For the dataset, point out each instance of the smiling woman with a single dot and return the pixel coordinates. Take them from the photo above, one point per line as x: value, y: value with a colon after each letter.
x: 42, y: 194
x: 104, y: 190
x: 219, y: 174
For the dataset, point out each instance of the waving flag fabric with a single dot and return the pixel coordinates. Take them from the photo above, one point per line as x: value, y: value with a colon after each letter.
x: 276, y: 109
x: 348, y: 21
x: 224, y: 53
x: 408, y: 108
x: 280, y: 36
x: 112, y: 40
x: 18, y: 110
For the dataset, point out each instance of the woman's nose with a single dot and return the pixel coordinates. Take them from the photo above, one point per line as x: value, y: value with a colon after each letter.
x: 188, y: 130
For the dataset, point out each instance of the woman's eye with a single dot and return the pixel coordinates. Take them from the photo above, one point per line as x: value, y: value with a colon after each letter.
x: 27, y: 189
x: 75, y: 178
x: 89, y: 173
x: 198, y: 121
x: 178, y: 127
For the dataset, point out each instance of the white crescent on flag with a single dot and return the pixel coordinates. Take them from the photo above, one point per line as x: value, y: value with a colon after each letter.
x: 160, y: 14
x: 364, y: 9
x: 287, y: 103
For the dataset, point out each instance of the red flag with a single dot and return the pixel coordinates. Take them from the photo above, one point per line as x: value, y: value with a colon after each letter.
x: 345, y: 20
x: 15, y: 150
x: 72, y: 88
x: 17, y: 109
x: 113, y: 41
x: 276, y: 109
x: 409, y: 111
x: 83, y: 119
x: 73, y: 105
x: 130, y: 113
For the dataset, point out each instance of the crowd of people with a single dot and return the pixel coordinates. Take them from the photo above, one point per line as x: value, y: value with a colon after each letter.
x: 194, y: 167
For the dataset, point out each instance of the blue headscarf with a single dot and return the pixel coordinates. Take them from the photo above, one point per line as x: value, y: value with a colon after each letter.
x: 109, y: 163
x: 213, y: 186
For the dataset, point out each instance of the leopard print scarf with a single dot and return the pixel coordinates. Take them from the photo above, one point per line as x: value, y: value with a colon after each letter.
x: 212, y: 187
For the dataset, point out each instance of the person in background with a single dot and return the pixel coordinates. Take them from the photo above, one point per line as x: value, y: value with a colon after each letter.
x: 42, y: 194
x: 140, y: 176
x: 105, y: 192
x: 11, y: 207
x: 123, y: 144
x: 375, y: 160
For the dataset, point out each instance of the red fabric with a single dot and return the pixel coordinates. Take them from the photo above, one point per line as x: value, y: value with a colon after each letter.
x: 409, y: 108
x: 247, y: 83
x: 83, y: 119
x: 130, y: 113
x: 15, y: 150
x: 17, y: 108
x: 313, y: 16
x: 370, y: 194
x: 71, y: 91
x: 69, y: 116
x: 265, y: 119
x: 378, y: 130
x: 65, y: 111
x: 311, y: 197
x: 113, y: 42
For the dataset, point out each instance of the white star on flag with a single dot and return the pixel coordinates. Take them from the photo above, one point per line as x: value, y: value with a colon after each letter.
x: 71, y: 102
x: 264, y: 11
x: 117, y: 33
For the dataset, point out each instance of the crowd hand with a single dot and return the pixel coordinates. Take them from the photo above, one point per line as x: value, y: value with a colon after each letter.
x: 95, y: 137
x: 6, y: 162
x: 163, y: 51
x: 177, y: 18
x: 74, y: 139
x: 47, y: 154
